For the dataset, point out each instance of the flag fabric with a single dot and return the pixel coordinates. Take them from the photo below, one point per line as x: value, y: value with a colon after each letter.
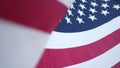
x: 25, y: 26
x: 116, y: 65
x: 88, y: 36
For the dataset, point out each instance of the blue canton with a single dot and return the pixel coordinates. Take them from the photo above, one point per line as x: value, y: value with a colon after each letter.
x: 88, y: 14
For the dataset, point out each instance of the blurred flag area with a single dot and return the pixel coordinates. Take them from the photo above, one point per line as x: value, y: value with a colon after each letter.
x: 86, y: 36
x: 25, y: 26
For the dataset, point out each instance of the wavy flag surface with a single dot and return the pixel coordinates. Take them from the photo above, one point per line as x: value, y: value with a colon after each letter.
x: 25, y: 26
x: 88, y: 36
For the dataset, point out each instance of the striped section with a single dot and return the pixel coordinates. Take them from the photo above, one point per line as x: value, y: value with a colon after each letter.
x: 21, y: 44
x: 40, y: 14
x: 106, y: 60
x: 59, y: 40
x: 116, y: 65
x: 55, y: 58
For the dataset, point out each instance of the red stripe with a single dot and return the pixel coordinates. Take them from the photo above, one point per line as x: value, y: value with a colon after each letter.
x: 55, y: 58
x: 116, y: 65
x: 40, y: 14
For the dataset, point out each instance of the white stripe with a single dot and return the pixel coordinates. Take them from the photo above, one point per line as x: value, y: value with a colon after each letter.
x: 60, y: 40
x: 106, y: 60
x: 67, y: 3
x: 20, y: 46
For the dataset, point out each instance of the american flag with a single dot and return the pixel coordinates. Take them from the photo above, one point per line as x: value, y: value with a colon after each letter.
x: 87, y: 37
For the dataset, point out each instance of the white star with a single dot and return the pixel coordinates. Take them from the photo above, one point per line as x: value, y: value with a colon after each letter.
x: 72, y: 7
x: 104, y: 12
x: 116, y: 7
x: 92, y: 17
x: 81, y: 13
x: 68, y: 20
x: 106, y: 0
x: 83, y: 1
x: 105, y: 5
x: 82, y: 6
x: 80, y: 20
x: 70, y: 12
x: 92, y: 10
x: 94, y: 4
